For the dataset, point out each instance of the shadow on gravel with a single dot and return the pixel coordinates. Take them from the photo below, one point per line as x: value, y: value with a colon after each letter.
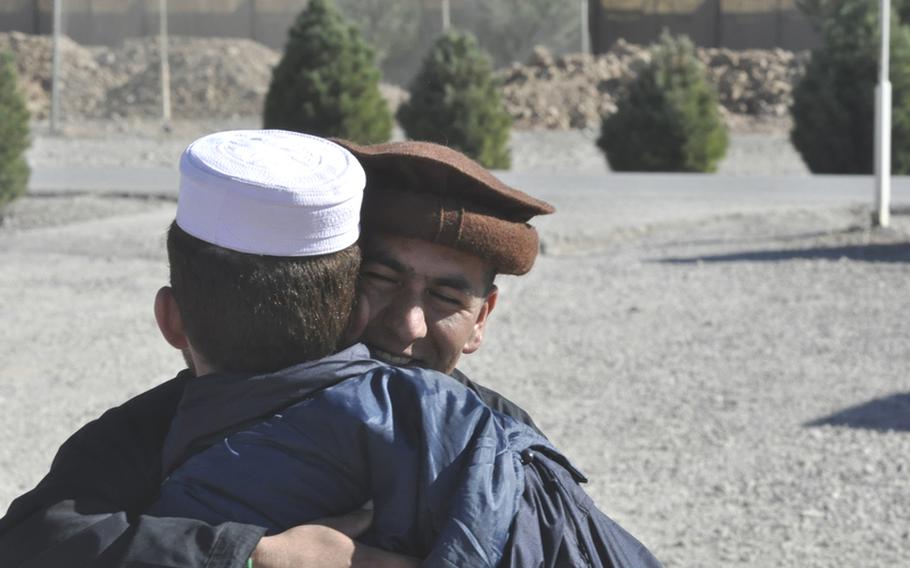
x: 891, y: 252
x: 882, y: 414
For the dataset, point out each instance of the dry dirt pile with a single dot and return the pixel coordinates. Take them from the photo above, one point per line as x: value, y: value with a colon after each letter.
x: 575, y: 90
x: 220, y: 77
x: 84, y: 82
x: 210, y: 77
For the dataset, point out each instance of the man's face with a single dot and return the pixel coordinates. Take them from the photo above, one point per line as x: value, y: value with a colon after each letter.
x: 427, y: 303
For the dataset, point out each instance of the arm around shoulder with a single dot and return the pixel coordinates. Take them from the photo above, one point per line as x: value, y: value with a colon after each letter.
x: 87, y: 509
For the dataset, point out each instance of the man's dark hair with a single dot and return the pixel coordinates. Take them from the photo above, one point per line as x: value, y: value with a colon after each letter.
x: 254, y: 313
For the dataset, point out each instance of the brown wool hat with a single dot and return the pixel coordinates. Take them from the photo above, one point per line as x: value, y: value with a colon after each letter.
x: 426, y: 191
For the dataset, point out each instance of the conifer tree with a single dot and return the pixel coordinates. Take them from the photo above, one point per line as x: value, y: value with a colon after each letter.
x: 455, y: 101
x: 326, y: 82
x: 14, y: 134
x: 668, y: 118
x: 834, y: 103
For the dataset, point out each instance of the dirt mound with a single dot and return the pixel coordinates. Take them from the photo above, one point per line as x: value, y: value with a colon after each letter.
x: 229, y: 77
x: 83, y: 84
x: 576, y: 90
x: 209, y: 77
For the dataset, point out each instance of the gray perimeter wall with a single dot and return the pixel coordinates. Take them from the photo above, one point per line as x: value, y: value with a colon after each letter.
x: 734, y: 24
x: 109, y: 22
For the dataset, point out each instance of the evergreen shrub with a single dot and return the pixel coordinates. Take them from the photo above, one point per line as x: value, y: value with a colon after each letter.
x: 14, y: 134
x: 834, y: 103
x: 455, y: 101
x: 326, y: 82
x: 667, y: 119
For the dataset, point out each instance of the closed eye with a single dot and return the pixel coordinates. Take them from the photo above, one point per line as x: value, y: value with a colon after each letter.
x: 447, y: 298
x: 378, y: 277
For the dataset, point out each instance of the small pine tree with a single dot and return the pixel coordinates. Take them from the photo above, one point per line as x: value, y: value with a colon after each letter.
x: 834, y: 104
x: 455, y: 101
x: 326, y: 82
x: 14, y: 136
x: 668, y: 119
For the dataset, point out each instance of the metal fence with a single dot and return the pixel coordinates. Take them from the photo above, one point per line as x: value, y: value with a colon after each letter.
x: 131, y: 78
x: 401, y: 30
x: 109, y: 22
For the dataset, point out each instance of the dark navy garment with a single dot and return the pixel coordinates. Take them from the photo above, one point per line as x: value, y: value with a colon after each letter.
x: 452, y: 481
x: 443, y: 469
x: 558, y: 525
x: 88, y: 509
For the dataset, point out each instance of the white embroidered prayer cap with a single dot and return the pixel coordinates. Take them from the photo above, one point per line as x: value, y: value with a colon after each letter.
x: 270, y: 192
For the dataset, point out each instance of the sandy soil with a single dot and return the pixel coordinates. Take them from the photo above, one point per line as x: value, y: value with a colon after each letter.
x: 734, y: 385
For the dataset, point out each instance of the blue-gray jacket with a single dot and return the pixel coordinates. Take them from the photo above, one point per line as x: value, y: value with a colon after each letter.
x: 452, y: 481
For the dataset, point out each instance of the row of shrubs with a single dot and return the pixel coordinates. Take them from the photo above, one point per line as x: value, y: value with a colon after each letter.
x: 326, y: 83
x: 667, y: 119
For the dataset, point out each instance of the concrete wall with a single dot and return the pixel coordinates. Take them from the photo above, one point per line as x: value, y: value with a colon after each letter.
x: 736, y: 24
x: 109, y: 22
x: 714, y: 23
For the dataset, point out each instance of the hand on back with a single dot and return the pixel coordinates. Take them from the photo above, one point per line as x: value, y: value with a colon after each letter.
x: 327, y: 543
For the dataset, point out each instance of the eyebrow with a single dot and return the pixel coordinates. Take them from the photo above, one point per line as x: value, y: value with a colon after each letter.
x: 384, y: 259
x: 456, y: 282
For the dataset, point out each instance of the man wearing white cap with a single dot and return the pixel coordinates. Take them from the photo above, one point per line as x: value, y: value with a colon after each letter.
x: 281, y: 429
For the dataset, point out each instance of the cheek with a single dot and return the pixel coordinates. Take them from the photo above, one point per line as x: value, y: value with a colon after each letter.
x: 454, y: 331
x: 376, y: 298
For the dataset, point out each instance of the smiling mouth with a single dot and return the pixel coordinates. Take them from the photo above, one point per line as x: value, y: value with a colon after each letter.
x: 387, y: 357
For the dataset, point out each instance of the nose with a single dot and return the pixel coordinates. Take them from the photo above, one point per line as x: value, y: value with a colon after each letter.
x: 406, y: 319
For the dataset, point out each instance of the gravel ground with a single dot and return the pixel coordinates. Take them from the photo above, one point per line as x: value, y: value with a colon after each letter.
x: 734, y: 386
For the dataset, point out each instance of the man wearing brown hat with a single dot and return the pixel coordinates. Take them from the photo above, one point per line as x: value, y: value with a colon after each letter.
x: 437, y: 229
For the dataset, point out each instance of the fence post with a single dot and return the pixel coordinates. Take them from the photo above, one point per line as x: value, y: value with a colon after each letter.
x: 165, y: 66
x: 882, y: 215
x: 583, y: 22
x: 55, y: 68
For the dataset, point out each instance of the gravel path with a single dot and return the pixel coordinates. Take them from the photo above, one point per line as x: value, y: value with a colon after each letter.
x: 685, y: 370
x: 735, y: 386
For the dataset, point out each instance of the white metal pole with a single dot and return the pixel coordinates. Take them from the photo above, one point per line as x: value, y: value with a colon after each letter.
x: 446, y: 16
x: 882, y: 215
x: 55, y: 67
x: 583, y: 16
x: 165, y: 66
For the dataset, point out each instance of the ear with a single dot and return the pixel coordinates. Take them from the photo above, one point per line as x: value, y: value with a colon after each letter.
x: 480, y: 325
x: 170, y: 323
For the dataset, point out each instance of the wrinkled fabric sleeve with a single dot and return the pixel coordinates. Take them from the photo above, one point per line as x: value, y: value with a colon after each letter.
x: 85, y: 512
x: 558, y: 524
x: 496, y: 401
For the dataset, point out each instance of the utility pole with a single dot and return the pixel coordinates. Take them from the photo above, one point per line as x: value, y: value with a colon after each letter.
x: 446, y: 16
x: 165, y: 67
x: 882, y: 215
x: 55, y: 68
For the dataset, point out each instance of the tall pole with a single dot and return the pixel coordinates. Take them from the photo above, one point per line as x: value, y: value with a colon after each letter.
x: 165, y: 66
x: 583, y: 17
x: 446, y: 16
x: 882, y: 215
x: 55, y: 67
